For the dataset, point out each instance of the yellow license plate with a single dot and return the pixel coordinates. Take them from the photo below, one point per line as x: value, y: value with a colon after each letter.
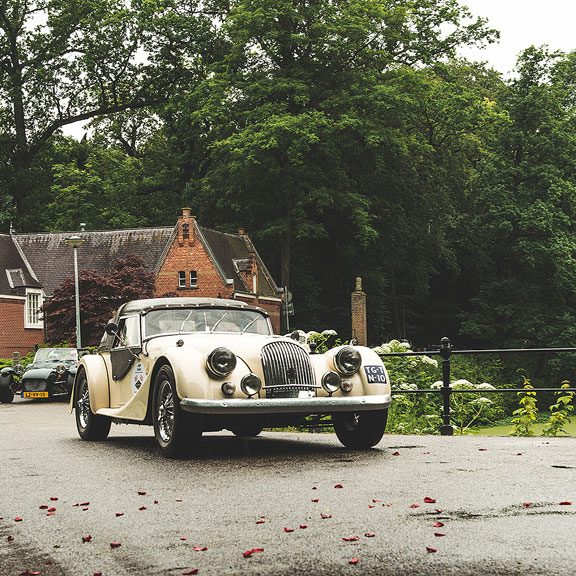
x: 34, y: 394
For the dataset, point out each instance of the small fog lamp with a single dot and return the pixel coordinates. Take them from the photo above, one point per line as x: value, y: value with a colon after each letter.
x: 331, y: 382
x: 251, y: 384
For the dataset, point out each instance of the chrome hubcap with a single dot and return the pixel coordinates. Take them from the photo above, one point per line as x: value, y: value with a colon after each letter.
x: 165, y: 411
x: 83, y: 404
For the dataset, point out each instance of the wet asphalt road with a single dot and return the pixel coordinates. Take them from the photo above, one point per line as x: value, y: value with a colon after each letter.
x: 497, y: 498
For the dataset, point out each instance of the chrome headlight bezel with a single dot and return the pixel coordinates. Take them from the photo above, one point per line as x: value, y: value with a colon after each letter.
x: 348, y: 361
x: 251, y: 385
x: 221, y: 362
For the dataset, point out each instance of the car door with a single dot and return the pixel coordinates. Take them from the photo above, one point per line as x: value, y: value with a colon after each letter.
x: 126, y: 367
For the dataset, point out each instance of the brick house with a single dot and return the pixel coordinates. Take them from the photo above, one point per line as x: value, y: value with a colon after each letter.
x: 186, y: 258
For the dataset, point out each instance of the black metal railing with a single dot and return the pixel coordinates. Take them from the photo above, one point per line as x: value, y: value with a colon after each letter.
x: 445, y: 351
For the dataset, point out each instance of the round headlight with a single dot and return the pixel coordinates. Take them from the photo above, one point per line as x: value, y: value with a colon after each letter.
x: 250, y: 384
x: 331, y: 382
x: 60, y: 369
x: 348, y: 360
x: 221, y: 362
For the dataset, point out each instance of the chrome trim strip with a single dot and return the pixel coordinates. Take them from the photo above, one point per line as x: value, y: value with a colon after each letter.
x: 322, y: 405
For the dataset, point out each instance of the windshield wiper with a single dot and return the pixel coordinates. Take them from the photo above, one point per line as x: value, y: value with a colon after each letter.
x: 218, y: 322
x: 248, y: 325
x: 185, y: 320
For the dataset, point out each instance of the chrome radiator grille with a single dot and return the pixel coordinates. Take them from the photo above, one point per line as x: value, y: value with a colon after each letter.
x: 287, y: 370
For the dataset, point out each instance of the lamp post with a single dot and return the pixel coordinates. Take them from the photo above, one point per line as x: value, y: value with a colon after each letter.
x: 75, y: 242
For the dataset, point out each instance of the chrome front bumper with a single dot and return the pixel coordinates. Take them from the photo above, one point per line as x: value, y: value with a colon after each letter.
x: 316, y: 405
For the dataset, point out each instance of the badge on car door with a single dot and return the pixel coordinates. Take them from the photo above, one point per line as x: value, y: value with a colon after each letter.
x: 375, y: 374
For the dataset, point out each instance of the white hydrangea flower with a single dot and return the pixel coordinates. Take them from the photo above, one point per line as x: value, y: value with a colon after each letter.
x: 329, y: 333
x: 463, y: 383
x: 485, y: 386
x: 429, y: 361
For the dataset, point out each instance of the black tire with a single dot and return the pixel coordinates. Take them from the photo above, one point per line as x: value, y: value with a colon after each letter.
x: 360, y: 430
x: 176, y: 432
x: 247, y: 430
x: 90, y: 426
x: 6, y: 395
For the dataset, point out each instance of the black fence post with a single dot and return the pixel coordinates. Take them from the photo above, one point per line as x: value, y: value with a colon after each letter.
x: 445, y: 351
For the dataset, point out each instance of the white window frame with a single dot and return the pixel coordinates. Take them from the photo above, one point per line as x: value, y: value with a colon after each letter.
x: 181, y: 279
x: 194, y: 284
x: 33, y: 315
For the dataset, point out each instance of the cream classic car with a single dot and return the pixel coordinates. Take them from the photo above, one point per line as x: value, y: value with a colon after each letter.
x: 192, y: 365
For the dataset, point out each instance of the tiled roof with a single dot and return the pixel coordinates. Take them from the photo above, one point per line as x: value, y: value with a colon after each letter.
x: 231, y: 248
x: 52, y: 261
x: 14, y: 274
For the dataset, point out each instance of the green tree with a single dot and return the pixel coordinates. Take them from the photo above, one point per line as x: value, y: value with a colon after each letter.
x: 523, y: 213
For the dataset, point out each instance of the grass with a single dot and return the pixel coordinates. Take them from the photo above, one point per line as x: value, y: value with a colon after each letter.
x: 505, y: 427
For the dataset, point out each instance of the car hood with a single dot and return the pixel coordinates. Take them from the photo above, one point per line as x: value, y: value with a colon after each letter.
x: 245, y: 346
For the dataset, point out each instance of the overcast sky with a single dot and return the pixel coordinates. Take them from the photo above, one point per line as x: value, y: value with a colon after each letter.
x: 522, y: 23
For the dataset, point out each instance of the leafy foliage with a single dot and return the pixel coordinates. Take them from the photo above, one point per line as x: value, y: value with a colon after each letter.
x: 525, y: 416
x: 560, y: 412
x: 100, y: 296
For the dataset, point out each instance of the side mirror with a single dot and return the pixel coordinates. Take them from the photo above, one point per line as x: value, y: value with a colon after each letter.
x: 111, y: 328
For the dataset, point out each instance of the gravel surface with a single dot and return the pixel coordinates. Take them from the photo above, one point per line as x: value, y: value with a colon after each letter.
x: 503, y: 503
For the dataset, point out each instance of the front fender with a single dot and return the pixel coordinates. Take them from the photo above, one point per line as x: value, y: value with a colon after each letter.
x: 97, y: 376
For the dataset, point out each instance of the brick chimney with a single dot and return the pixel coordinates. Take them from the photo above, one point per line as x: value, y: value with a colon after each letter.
x: 359, y: 328
x: 186, y: 227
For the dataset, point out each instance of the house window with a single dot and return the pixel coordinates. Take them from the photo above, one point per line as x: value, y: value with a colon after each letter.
x: 32, y: 316
x: 181, y: 279
x: 193, y: 279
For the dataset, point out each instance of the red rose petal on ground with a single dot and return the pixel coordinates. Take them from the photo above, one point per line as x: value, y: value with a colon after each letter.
x: 260, y: 521
x: 200, y: 548
x: 370, y: 534
x: 566, y: 503
x: 325, y: 516
x: 483, y: 449
x: 84, y: 509
x: 249, y: 553
x: 50, y: 513
x: 353, y: 560
x: 314, y: 488
x: 87, y: 538
x: 141, y: 493
x: 118, y: 514
x: 115, y: 544
x: 155, y: 501
x: 396, y: 453
x: 438, y: 511
x: 97, y: 573
x: 315, y: 500
x: 439, y: 534
x: 303, y: 526
x: 53, y: 498
x: 431, y: 550
x: 351, y: 538
x: 288, y: 530
x: 183, y: 538
x: 84, y: 504
x: 429, y: 500
x: 371, y: 506
x: 438, y: 525
x: 518, y: 453
x: 374, y: 500
x: 52, y: 509
x: 178, y: 500
x: 414, y: 505
x: 18, y: 519
x: 338, y: 486
x: 9, y: 538
x: 43, y: 507
x: 142, y: 508
x: 526, y: 504
x: 190, y: 572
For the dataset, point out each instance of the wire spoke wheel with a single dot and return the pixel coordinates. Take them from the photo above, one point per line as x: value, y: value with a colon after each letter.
x: 165, y: 409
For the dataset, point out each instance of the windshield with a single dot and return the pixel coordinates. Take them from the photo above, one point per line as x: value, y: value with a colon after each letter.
x: 206, y: 320
x: 56, y: 355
